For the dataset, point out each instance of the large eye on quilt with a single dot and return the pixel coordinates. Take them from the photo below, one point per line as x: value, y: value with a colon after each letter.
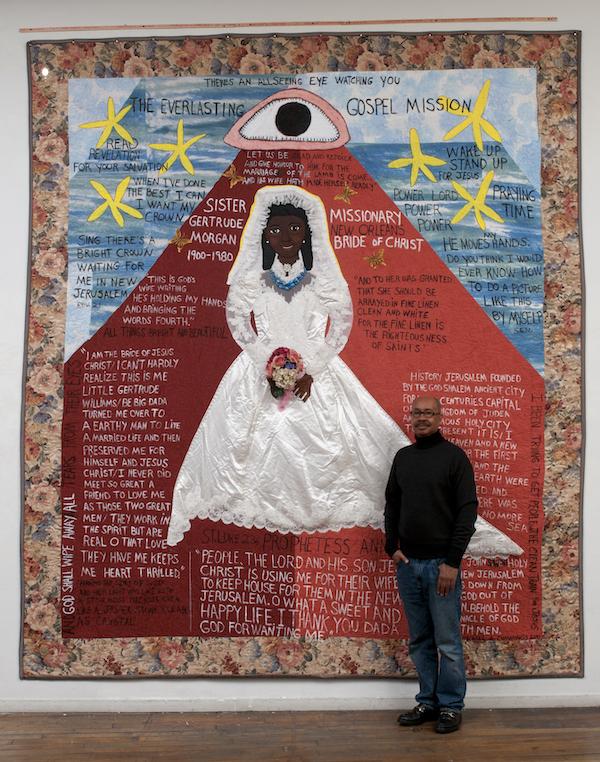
x: 292, y: 118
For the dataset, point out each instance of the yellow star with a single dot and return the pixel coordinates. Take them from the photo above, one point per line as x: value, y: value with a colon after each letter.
x: 110, y: 123
x: 346, y: 194
x: 475, y: 118
x: 476, y: 204
x: 180, y: 241
x: 178, y: 150
x: 233, y: 177
x: 115, y: 204
x: 419, y: 160
x: 376, y: 259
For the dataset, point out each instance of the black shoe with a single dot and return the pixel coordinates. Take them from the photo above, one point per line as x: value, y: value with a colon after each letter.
x: 420, y: 714
x: 449, y: 721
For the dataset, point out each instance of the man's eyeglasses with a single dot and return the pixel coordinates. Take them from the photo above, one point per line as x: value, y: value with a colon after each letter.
x: 416, y: 413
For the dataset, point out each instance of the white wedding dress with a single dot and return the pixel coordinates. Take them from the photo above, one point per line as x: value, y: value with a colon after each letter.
x: 318, y: 465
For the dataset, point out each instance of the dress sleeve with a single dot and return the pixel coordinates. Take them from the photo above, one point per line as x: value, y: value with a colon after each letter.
x: 336, y: 302
x: 241, y: 298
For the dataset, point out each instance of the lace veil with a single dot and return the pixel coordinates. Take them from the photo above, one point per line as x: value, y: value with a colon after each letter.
x: 329, y: 283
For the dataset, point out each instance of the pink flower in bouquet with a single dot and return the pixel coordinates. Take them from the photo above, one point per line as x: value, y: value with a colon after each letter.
x: 284, y: 368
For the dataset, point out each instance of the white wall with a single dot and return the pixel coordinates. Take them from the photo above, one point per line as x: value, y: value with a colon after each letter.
x: 238, y: 694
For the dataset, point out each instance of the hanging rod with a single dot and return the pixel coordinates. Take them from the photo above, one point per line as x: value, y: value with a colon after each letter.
x: 283, y: 24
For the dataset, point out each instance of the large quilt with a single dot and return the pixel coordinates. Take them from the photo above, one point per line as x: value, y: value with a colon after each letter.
x: 248, y: 257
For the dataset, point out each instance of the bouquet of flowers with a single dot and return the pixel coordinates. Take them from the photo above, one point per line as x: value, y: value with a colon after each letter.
x: 284, y: 368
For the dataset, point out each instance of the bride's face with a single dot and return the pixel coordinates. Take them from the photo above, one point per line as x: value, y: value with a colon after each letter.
x: 285, y: 234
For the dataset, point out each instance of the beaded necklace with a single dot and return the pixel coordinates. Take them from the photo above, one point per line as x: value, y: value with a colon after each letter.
x: 286, y: 285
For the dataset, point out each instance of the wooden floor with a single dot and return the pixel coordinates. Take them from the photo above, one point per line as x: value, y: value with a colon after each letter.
x: 510, y: 735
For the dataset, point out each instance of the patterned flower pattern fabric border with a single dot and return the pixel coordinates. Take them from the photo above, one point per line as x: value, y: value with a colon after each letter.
x: 555, y: 57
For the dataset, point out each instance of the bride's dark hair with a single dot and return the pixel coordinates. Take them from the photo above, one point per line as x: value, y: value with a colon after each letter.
x: 287, y: 210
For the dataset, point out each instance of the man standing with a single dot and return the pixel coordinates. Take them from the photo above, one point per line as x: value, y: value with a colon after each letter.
x: 430, y: 513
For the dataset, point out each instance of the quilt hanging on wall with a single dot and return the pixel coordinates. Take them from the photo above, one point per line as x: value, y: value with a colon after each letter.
x: 248, y: 257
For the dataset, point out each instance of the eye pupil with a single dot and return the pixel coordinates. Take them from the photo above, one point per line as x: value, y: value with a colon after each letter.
x: 293, y: 119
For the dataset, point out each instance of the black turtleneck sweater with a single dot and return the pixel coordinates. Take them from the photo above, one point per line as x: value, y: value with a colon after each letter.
x: 430, y: 501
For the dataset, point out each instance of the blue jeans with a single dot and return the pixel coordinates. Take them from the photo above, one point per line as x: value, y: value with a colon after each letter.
x: 435, y: 644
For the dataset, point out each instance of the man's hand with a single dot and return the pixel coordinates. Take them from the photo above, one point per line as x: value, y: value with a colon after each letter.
x: 446, y: 579
x: 303, y: 386
x: 399, y: 556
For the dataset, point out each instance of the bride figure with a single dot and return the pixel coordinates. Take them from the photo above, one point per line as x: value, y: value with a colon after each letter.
x: 321, y: 461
